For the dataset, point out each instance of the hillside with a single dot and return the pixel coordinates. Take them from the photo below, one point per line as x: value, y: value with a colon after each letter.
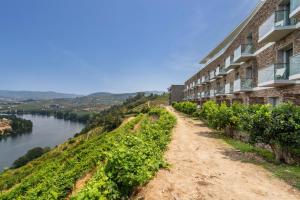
x: 33, y: 95
x: 112, y: 163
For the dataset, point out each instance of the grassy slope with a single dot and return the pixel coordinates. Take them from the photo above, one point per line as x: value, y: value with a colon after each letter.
x: 54, y: 174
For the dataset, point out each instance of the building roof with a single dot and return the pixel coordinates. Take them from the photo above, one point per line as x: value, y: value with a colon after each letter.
x: 221, y: 47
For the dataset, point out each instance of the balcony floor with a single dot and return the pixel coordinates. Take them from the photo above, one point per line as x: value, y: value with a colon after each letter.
x: 232, y: 66
x: 277, y: 33
x: 294, y: 77
x: 244, y: 58
x: 276, y: 83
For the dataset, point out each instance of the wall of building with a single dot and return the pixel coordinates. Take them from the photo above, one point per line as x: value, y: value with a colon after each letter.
x: 266, y: 57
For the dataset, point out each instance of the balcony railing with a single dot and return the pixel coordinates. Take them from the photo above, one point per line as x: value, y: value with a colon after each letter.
x: 229, y: 88
x: 220, y: 71
x: 206, y: 94
x: 206, y: 79
x: 220, y: 91
x: 199, y: 95
x: 295, y: 67
x: 277, y: 26
x: 243, y: 85
x: 243, y: 53
x: 230, y: 64
x: 274, y: 75
x: 295, y: 8
x: 212, y: 75
x: 212, y: 93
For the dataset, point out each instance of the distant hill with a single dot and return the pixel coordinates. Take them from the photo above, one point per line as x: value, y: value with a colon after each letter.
x: 33, y: 95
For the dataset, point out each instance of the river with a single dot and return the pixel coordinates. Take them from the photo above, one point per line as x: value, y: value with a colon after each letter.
x: 46, y: 132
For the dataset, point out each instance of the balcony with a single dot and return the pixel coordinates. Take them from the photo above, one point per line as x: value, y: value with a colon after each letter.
x: 206, y: 94
x: 212, y: 76
x: 206, y: 79
x: 220, y: 72
x: 243, y: 85
x: 199, y: 95
x: 212, y: 93
x: 295, y: 67
x: 229, y: 88
x: 277, y: 26
x: 243, y: 53
x: 220, y: 91
x: 230, y: 64
x: 274, y: 75
x: 295, y: 8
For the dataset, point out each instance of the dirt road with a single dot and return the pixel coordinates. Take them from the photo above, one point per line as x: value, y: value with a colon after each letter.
x: 203, y: 167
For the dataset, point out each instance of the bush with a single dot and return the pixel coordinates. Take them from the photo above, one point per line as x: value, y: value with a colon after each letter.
x: 186, y: 107
x: 278, y: 127
x: 30, y: 155
x: 209, y: 110
x: 283, y: 133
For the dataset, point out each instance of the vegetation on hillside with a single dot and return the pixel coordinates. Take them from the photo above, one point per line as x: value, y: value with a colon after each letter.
x: 122, y: 159
x: 118, y: 160
x: 29, y: 156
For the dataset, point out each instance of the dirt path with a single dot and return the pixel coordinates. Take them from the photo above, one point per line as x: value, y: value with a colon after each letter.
x: 204, y: 167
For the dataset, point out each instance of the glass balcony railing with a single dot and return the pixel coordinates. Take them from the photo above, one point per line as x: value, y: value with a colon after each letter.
x: 295, y: 4
x: 212, y: 93
x: 273, y: 73
x: 279, y: 19
x: 244, y: 50
x: 230, y: 63
x: 220, y: 71
x: 206, y: 94
x: 220, y: 91
x: 206, y: 79
x: 241, y: 85
x: 229, y: 88
x: 212, y: 75
x: 295, y: 66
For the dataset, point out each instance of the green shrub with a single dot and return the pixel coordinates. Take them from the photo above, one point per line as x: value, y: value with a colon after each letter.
x: 208, y: 110
x: 186, y: 107
x: 284, y: 131
x: 258, y: 119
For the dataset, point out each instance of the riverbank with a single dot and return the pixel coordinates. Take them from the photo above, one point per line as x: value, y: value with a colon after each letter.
x: 13, y: 125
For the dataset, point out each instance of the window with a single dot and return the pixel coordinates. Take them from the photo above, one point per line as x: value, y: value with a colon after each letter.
x: 274, y: 101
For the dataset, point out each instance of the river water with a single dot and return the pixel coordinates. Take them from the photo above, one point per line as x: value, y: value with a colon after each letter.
x: 46, y: 132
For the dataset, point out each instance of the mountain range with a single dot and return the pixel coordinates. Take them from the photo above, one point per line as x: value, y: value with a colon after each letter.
x: 9, y: 95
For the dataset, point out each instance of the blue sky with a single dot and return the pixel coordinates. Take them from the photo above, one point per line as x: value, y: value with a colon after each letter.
x: 85, y: 46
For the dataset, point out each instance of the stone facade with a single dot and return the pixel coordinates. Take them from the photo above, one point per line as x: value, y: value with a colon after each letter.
x: 176, y: 93
x: 264, y: 76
